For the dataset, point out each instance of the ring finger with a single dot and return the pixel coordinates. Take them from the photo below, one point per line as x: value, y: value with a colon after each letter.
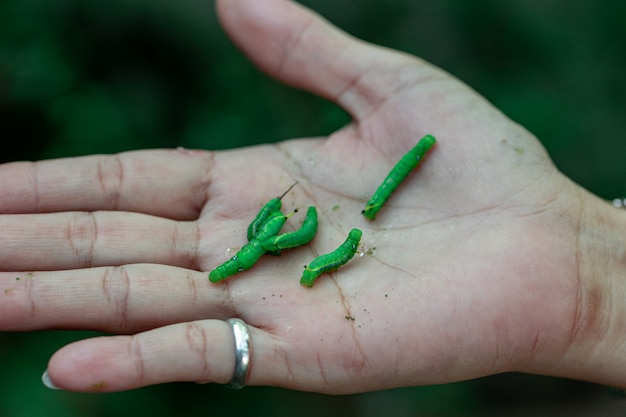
x: 123, y: 299
x: 195, y: 351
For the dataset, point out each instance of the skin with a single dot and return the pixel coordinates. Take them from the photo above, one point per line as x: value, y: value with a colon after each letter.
x: 527, y: 274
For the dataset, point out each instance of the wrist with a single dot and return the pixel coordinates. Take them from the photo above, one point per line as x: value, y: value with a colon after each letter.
x: 596, y: 351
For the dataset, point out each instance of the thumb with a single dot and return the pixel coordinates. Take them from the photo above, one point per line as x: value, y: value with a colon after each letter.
x: 298, y: 47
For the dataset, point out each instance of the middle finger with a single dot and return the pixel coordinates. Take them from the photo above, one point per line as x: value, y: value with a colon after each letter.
x: 73, y: 240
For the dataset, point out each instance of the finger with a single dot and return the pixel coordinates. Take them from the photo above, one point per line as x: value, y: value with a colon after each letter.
x: 123, y: 299
x: 72, y: 240
x: 204, y: 351
x: 195, y: 351
x: 298, y: 47
x: 142, y: 181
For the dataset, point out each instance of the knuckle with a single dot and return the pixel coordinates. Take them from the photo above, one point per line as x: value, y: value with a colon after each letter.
x: 110, y: 171
x: 136, y: 352
x: 197, y: 344
x: 116, y: 290
x: 82, y: 233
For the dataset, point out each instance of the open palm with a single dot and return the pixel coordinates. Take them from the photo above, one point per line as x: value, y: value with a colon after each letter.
x: 454, y: 279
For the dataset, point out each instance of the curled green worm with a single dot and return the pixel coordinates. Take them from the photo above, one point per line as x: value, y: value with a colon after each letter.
x: 252, y: 251
x: 270, y: 207
x: 302, y: 236
x: 333, y: 260
x: 272, y: 225
x: 398, y: 173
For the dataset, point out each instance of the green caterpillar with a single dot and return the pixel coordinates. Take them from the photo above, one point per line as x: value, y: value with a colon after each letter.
x: 252, y: 251
x: 249, y: 254
x: 304, y: 235
x: 331, y: 261
x: 270, y: 207
x: 398, y: 173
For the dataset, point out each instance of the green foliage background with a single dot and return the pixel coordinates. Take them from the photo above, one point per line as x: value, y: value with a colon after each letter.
x: 84, y: 76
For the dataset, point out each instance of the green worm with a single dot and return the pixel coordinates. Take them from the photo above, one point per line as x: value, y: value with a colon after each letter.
x: 252, y: 251
x: 397, y: 174
x: 331, y: 261
x: 272, y: 226
x: 270, y: 207
x: 303, y: 235
x: 249, y: 254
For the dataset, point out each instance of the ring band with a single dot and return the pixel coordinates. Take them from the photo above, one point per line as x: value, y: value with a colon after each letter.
x: 242, y: 353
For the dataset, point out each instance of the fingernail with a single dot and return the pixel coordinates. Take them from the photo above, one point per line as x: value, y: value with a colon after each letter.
x: 45, y: 378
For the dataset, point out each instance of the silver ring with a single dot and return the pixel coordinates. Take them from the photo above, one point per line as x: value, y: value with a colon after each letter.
x: 242, y: 353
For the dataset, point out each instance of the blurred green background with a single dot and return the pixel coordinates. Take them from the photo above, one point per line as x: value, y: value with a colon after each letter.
x: 80, y: 77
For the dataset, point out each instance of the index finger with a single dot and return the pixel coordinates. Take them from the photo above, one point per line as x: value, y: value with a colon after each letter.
x: 140, y: 181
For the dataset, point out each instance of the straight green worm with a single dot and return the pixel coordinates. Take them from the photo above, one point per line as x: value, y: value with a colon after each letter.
x: 302, y: 236
x: 331, y: 261
x: 270, y: 207
x: 249, y: 254
x: 252, y: 251
x: 397, y: 174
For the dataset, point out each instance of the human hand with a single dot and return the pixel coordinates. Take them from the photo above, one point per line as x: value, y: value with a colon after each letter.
x: 456, y: 282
